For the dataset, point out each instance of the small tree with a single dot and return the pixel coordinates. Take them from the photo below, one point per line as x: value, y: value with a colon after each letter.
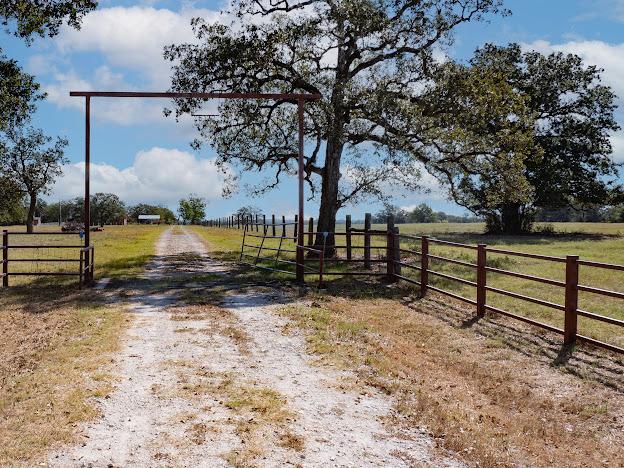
x: 248, y: 211
x: 31, y: 160
x: 192, y: 209
x: 423, y: 213
x: 107, y: 208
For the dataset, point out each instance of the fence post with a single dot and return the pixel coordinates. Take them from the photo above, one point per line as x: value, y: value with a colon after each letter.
x: 481, y: 278
x: 367, y: 241
x: 283, y: 226
x: 296, y: 227
x: 397, y: 251
x: 81, y: 272
x: 348, y: 236
x: 273, y: 224
x: 424, y: 265
x: 310, y: 231
x: 257, y: 227
x: 571, y: 299
x: 264, y: 224
x: 390, y: 249
x: 5, y: 258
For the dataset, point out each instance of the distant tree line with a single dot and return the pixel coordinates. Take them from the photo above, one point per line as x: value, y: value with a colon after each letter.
x: 584, y: 214
x: 106, y: 208
x: 422, y: 213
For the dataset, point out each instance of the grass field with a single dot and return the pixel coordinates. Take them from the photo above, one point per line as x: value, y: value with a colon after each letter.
x: 591, y: 241
x: 54, y: 341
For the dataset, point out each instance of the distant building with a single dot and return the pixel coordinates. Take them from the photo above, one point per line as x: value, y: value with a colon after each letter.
x: 149, y: 219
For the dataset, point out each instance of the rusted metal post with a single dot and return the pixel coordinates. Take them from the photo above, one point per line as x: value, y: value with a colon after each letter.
x: 283, y: 226
x: 348, y: 236
x: 367, y: 241
x: 310, y: 232
x: 481, y: 278
x: 92, y: 266
x: 273, y: 224
x: 295, y: 235
x: 5, y: 258
x: 300, y: 239
x: 424, y: 265
x: 397, y: 251
x: 571, y: 299
x: 390, y: 250
x: 81, y: 267
x: 87, y: 187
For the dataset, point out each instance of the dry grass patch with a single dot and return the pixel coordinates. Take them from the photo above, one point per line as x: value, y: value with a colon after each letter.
x: 261, y: 417
x: 491, y: 404
x: 53, y: 347
x: 221, y: 321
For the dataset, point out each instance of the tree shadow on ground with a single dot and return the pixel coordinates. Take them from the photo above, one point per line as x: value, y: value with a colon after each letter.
x: 528, y: 239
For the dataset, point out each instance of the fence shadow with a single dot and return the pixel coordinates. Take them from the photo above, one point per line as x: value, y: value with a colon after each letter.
x: 584, y: 361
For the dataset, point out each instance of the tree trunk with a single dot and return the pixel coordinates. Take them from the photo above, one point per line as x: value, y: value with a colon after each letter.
x: 329, y: 196
x: 333, y: 154
x: 512, y: 219
x: 31, y: 212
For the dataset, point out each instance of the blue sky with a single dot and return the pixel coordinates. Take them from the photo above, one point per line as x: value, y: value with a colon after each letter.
x: 145, y: 157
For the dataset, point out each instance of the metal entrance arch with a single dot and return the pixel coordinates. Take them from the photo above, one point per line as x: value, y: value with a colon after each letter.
x: 299, y: 99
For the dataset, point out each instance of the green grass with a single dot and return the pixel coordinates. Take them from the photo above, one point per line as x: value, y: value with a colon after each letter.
x: 600, y: 242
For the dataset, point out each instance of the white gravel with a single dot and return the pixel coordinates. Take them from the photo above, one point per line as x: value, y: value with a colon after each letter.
x: 146, y: 423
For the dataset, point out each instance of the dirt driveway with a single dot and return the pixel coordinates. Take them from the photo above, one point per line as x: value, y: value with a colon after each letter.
x: 212, y: 375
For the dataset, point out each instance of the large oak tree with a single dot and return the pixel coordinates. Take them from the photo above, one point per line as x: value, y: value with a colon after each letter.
x: 371, y: 61
x: 568, y: 120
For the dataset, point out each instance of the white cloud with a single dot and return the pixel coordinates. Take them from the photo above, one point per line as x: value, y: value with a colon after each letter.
x: 131, y: 42
x: 158, y: 175
x: 610, y: 57
x: 134, y: 37
x: 617, y: 141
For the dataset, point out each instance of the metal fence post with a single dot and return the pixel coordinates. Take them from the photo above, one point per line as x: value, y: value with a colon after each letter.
x: 92, y: 265
x: 310, y: 232
x: 348, y: 236
x: 5, y: 258
x: 424, y: 265
x: 81, y: 272
x: 367, y: 241
x: 571, y: 299
x: 273, y: 224
x: 481, y: 278
x: 397, y: 251
x: 283, y: 226
x: 390, y: 249
x: 296, y: 236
